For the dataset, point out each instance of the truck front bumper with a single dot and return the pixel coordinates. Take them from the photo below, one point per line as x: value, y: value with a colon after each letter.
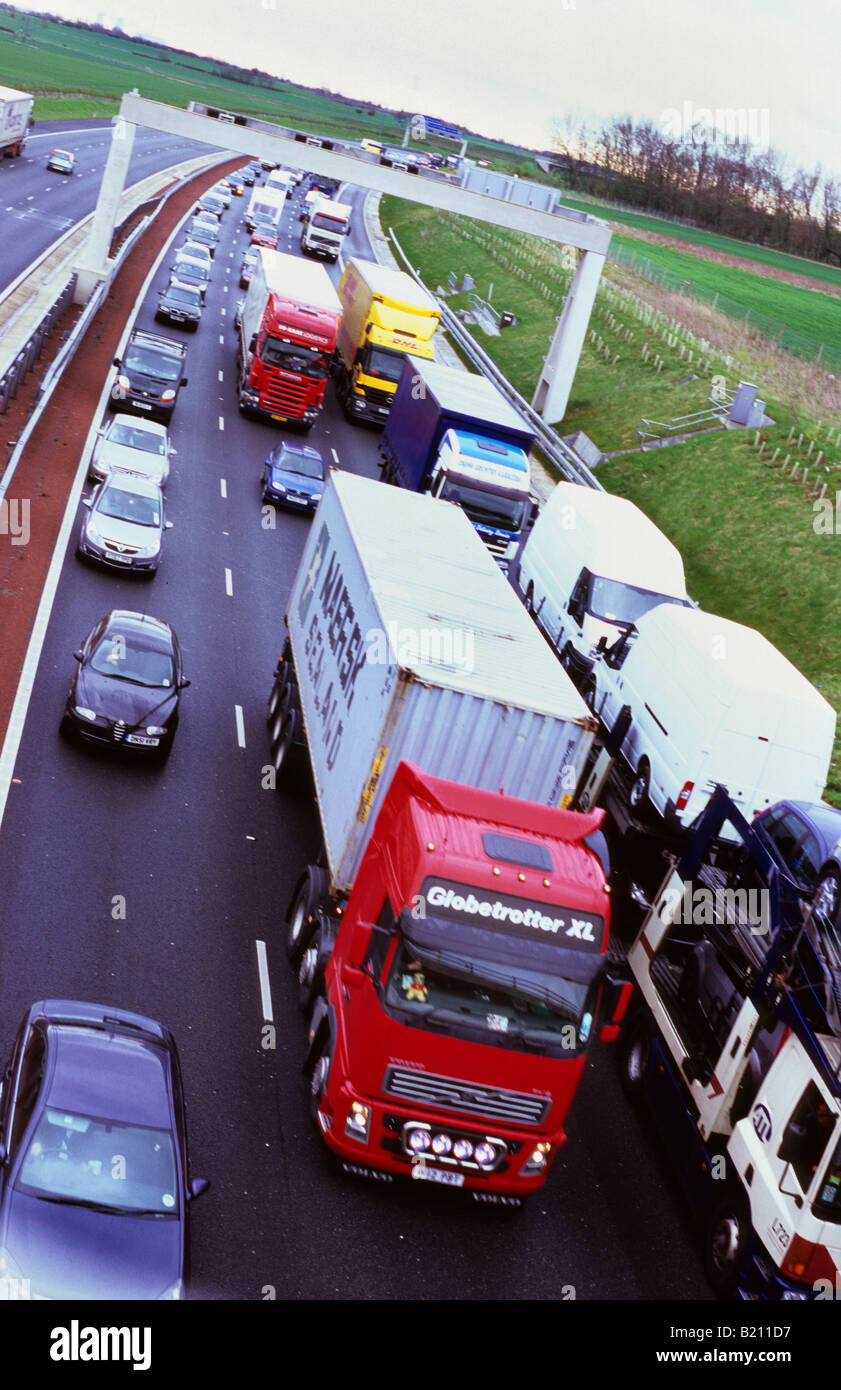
x: 378, y: 1138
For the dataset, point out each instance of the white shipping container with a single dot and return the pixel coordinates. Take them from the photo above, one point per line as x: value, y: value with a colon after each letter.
x: 409, y: 644
x: 15, y: 110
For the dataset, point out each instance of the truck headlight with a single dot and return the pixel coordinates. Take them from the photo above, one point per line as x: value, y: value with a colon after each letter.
x: 358, y: 1122
x: 538, y: 1158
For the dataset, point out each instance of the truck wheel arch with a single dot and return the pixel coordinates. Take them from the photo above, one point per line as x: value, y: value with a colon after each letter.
x: 726, y: 1234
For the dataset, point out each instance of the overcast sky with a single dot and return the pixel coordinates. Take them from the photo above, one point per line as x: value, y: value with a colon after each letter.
x: 511, y: 70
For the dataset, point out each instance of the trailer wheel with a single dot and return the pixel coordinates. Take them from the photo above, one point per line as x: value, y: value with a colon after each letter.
x: 725, y: 1240
x: 286, y: 735
x: 638, y: 791
x: 634, y: 1054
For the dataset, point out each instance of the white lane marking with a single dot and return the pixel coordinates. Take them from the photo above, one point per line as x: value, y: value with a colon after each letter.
x: 223, y: 311
x: 240, y: 725
x: 221, y: 338
x: 221, y: 422
x: 335, y: 455
x: 229, y: 586
x: 220, y: 374
x: 223, y: 487
x: 265, y: 991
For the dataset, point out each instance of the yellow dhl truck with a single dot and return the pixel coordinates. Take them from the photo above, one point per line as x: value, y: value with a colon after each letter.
x: 385, y: 317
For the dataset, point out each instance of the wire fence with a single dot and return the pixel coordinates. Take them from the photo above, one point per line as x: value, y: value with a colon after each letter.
x: 781, y: 335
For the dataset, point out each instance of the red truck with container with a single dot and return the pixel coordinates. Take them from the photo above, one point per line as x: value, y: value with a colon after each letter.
x: 288, y: 327
x: 451, y: 943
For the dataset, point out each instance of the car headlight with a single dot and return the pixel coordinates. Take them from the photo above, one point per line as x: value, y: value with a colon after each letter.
x: 93, y: 532
x: 175, y: 1290
x: 168, y: 396
x: 123, y: 383
x: 84, y: 713
x: 153, y: 729
x: 147, y: 551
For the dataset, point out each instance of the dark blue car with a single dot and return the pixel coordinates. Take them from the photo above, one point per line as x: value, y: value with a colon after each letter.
x: 805, y: 839
x: 93, y: 1146
x: 293, y: 476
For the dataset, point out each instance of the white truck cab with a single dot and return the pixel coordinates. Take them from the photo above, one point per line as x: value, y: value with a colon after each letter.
x: 489, y: 480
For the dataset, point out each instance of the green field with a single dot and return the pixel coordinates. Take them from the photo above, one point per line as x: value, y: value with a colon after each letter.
x: 744, y: 528
x: 728, y: 246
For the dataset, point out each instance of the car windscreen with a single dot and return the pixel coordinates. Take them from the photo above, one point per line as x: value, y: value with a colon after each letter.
x: 614, y: 602
x: 487, y: 508
x: 151, y: 363
x: 134, y: 437
x: 290, y: 358
x: 78, y: 1158
x: 298, y: 463
x: 129, y: 506
x: 129, y: 658
x: 183, y: 296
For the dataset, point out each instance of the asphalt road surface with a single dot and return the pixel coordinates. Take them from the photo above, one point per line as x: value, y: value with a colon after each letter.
x: 205, y: 860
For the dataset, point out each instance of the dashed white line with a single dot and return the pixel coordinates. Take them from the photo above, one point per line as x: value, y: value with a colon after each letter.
x: 223, y: 487
x: 240, y: 725
x: 335, y: 455
x: 221, y: 337
x: 223, y: 313
x: 229, y: 588
x: 221, y: 422
x: 265, y: 991
x: 221, y: 378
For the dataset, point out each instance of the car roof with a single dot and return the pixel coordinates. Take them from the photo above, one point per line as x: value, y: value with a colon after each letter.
x: 133, y: 482
x: 824, y: 819
x: 109, y: 1075
x: 137, y: 422
x: 306, y: 449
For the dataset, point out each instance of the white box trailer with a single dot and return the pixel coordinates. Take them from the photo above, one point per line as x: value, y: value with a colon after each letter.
x: 712, y: 701
x: 592, y: 564
x: 408, y: 643
x: 15, y: 119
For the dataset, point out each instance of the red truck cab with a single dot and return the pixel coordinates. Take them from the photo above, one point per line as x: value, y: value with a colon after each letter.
x: 457, y: 990
x: 289, y: 325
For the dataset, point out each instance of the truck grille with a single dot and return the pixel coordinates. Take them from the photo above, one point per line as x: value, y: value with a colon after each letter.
x: 495, y: 546
x: 443, y: 1093
x: 286, y: 397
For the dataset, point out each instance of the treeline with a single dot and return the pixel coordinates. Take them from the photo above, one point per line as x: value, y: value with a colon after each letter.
x: 740, y: 187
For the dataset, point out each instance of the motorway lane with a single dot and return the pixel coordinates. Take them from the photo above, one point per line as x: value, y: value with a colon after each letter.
x: 37, y: 205
x: 206, y: 859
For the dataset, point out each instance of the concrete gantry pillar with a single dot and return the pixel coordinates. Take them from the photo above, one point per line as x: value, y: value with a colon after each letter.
x: 559, y: 366
x: 94, y: 265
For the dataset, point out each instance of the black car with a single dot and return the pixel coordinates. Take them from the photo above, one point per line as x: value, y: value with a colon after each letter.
x: 149, y: 375
x: 127, y: 688
x: 95, y: 1167
x: 805, y: 839
x: 180, y: 303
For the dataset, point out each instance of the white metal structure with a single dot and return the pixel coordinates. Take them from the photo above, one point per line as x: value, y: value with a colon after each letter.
x: 409, y: 644
x: 592, y: 564
x: 261, y: 139
x: 712, y: 701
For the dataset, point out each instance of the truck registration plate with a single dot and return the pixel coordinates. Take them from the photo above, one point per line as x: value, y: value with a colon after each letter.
x: 443, y: 1175
x: 279, y: 417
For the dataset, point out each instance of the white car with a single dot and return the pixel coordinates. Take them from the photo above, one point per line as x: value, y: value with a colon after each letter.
x: 125, y: 525
x: 132, y: 445
x: 197, y: 252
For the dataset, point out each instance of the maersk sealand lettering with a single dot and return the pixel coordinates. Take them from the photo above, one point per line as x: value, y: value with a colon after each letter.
x: 344, y: 636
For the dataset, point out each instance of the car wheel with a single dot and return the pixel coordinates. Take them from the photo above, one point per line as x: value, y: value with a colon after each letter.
x: 639, y: 788
x: 725, y: 1239
x: 828, y: 894
x: 633, y: 1058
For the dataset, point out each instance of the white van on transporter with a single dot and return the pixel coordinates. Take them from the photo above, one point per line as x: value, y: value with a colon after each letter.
x: 712, y: 701
x: 593, y: 563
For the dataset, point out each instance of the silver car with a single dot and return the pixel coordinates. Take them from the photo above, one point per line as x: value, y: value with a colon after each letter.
x: 125, y: 525
x: 132, y: 445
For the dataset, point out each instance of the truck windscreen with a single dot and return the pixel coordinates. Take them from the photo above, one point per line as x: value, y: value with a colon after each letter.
x: 614, y: 602
x: 380, y: 362
x: 477, y: 999
x: 329, y: 224
x: 487, y: 508
x: 288, y: 357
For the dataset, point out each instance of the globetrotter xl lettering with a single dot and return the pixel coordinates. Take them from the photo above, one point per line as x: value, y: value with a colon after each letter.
x: 460, y: 902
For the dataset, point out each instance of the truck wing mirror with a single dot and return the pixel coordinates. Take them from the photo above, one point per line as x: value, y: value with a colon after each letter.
x: 790, y: 1184
x: 601, y: 646
x: 303, y: 217
x: 252, y: 346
